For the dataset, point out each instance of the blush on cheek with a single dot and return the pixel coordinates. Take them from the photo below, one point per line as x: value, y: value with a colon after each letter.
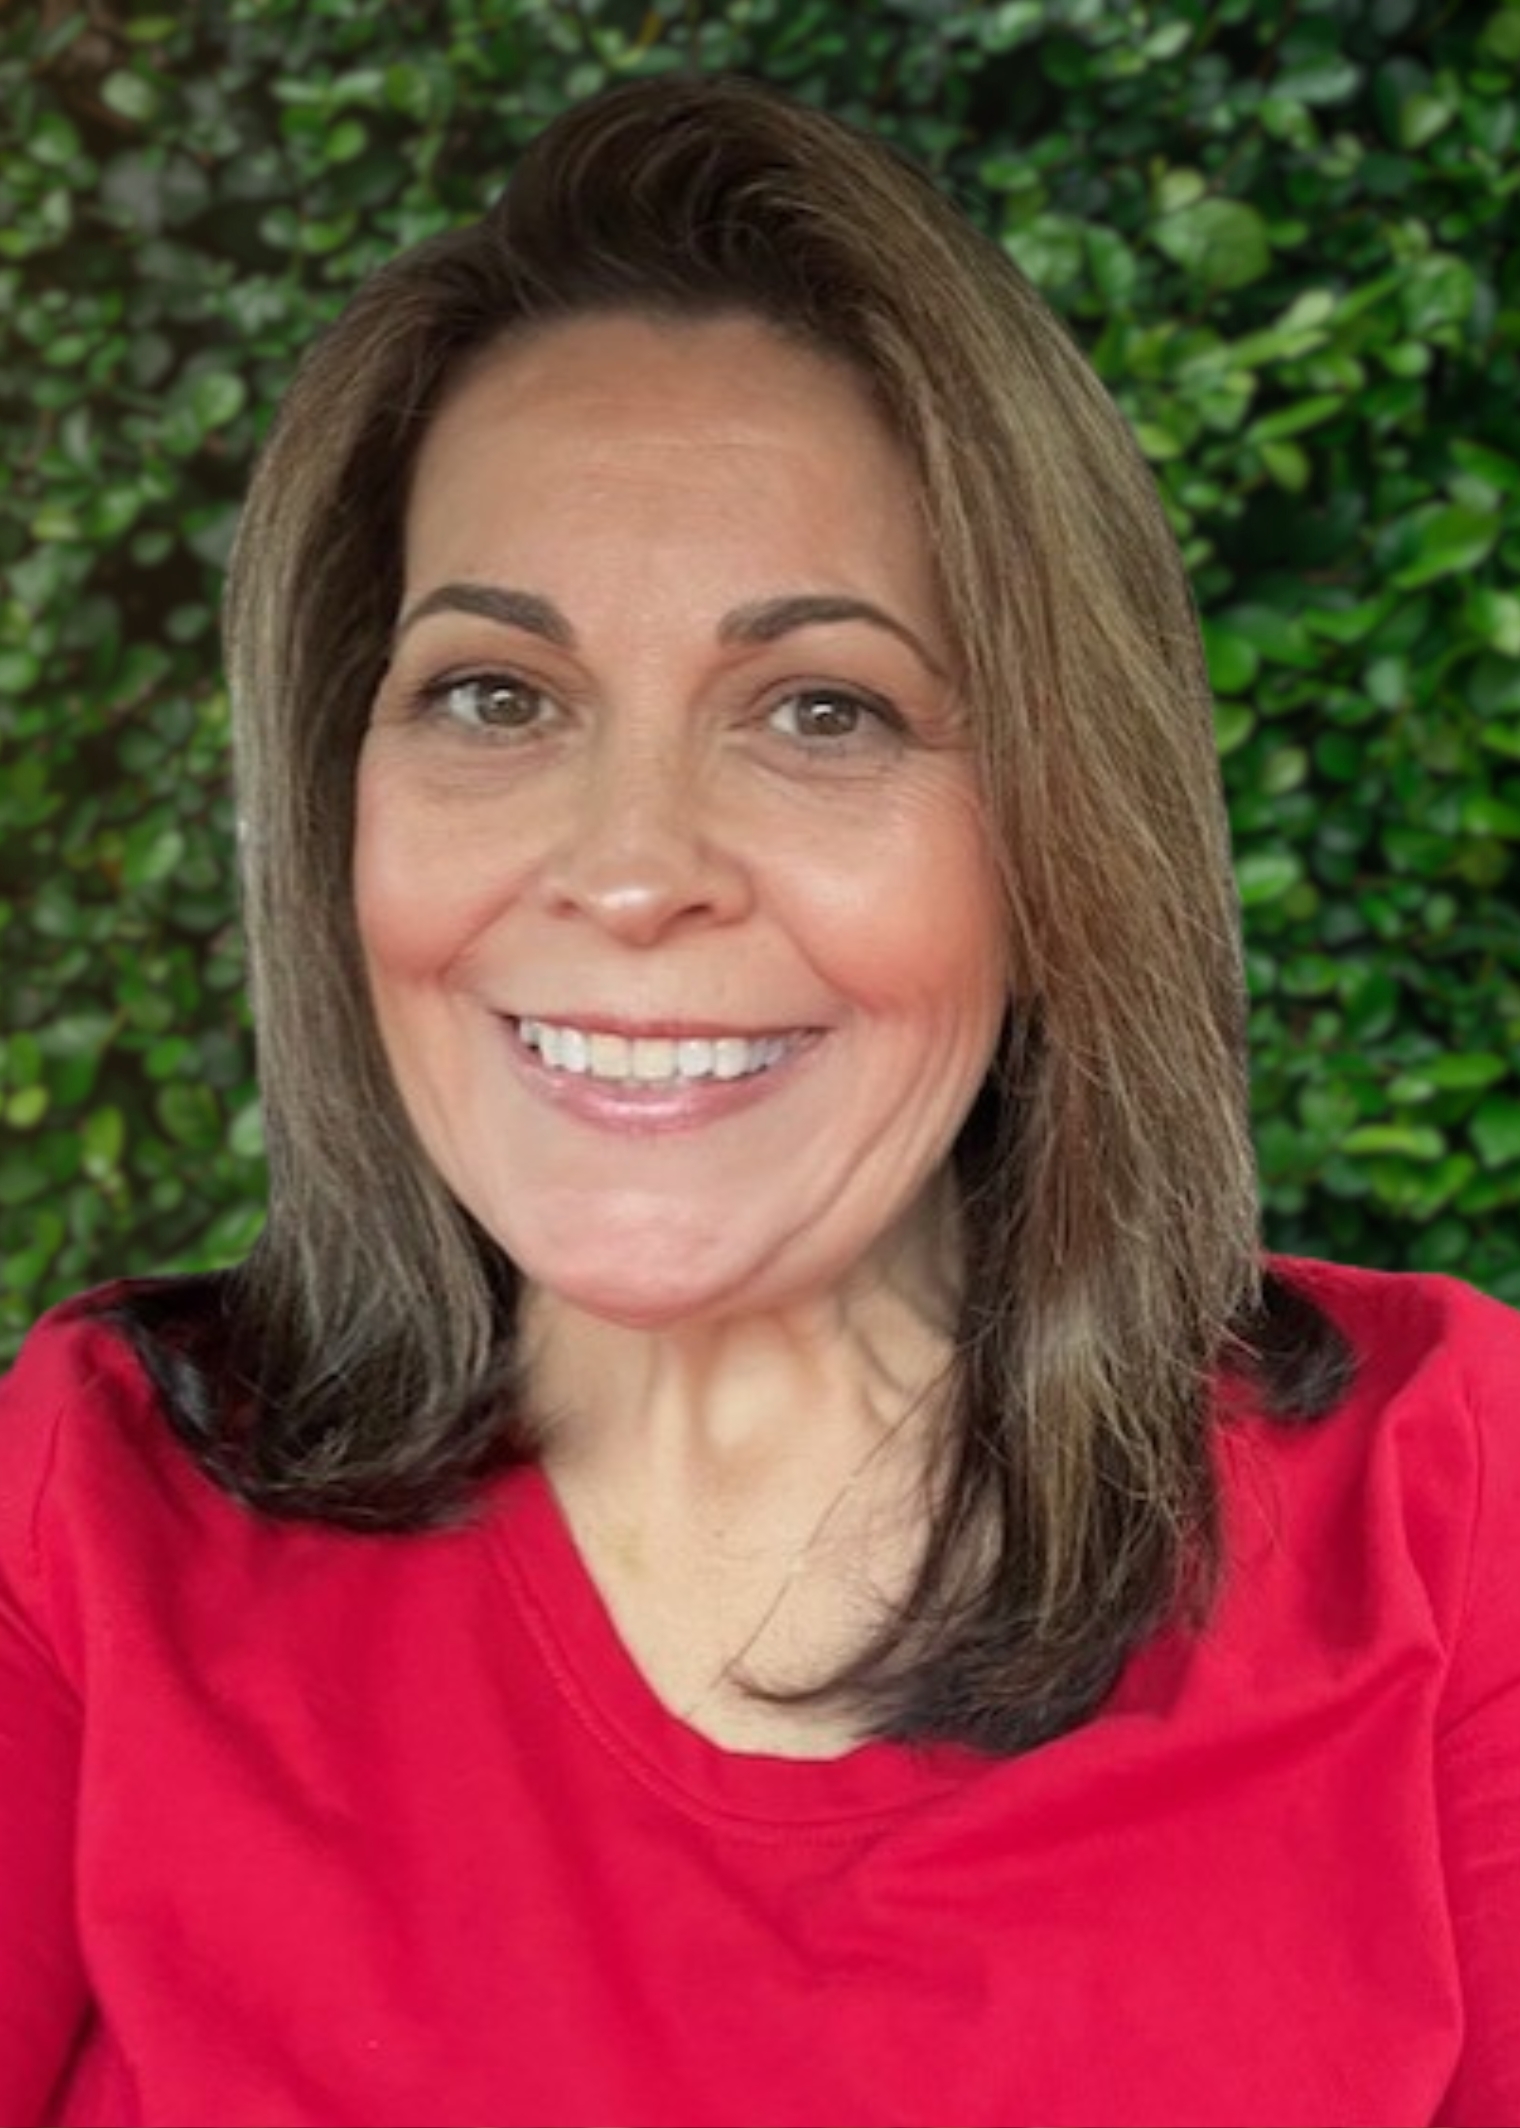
x: 401, y: 900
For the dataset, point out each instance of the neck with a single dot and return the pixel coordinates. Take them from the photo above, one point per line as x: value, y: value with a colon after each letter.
x: 748, y: 1492
x: 748, y: 1401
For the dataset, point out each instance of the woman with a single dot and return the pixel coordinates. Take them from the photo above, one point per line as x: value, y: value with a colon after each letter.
x: 754, y: 1542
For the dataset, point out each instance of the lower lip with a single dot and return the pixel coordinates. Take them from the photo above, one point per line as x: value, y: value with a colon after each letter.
x: 644, y: 1110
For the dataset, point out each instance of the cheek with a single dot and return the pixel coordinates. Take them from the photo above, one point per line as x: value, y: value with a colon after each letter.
x: 421, y: 893
x: 913, y: 922
x: 393, y: 907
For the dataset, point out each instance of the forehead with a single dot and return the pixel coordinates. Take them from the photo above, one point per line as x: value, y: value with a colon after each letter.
x: 619, y: 367
x: 719, y: 419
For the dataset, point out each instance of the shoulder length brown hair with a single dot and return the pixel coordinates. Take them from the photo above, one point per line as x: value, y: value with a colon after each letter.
x: 359, y: 1367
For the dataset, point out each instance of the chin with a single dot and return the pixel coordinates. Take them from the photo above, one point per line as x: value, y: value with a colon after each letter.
x: 649, y: 1303
x: 640, y: 1285
x: 632, y: 1262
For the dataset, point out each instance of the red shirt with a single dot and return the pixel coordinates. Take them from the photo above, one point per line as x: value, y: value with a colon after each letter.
x: 298, y: 1826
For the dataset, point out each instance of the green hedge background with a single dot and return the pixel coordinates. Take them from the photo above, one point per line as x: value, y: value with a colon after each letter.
x: 1276, y: 224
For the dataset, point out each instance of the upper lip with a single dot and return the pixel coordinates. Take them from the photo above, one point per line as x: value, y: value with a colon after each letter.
x: 657, y: 1028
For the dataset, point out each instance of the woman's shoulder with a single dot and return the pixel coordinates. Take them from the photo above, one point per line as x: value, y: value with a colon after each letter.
x: 1425, y: 1338
x: 86, y: 1451
x: 1401, y: 1304
x: 1411, y: 1484
x: 76, y: 1369
x: 1431, y: 1354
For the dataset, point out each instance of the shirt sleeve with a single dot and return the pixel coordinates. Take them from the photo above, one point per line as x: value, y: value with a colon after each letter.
x: 43, y: 1996
x: 1478, y: 1755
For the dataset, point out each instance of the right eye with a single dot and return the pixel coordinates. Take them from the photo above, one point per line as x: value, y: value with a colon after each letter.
x: 491, y: 701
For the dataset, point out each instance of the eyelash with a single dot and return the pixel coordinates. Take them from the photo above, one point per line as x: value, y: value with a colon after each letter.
x: 434, y: 700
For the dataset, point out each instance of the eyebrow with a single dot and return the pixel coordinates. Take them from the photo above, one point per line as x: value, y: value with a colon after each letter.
x: 762, y: 621
x: 768, y: 619
x: 493, y: 602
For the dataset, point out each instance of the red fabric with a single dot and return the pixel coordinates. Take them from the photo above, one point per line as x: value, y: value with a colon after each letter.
x: 305, y: 1827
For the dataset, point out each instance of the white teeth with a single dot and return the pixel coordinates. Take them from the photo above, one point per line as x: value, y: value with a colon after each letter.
x: 653, y: 1060
x: 650, y: 1060
x: 694, y: 1060
x: 730, y: 1057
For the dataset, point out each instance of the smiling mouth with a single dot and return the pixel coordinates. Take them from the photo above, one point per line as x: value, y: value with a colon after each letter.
x: 653, y: 1060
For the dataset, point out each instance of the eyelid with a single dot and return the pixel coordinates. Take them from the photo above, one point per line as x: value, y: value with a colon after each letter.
x: 486, y: 673
x: 422, y: 668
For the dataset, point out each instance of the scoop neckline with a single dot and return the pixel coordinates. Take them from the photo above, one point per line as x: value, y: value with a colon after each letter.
x: 758, y: 1793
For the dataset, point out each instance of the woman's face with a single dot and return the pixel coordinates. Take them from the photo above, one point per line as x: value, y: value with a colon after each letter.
x: 680, y: 919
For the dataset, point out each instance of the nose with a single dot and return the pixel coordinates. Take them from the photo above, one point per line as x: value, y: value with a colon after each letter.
x: 642, y: 849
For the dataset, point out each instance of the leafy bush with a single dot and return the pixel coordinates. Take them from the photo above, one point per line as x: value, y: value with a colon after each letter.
x: 1276, y: 224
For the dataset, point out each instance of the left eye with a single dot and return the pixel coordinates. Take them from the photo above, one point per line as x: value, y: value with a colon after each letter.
x: 493, y: 700
x: 827, y: 713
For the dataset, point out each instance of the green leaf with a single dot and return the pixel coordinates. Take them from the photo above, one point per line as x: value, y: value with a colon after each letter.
x: 1259, y: 350
x: 245, y: 1136
x: 346, y: 140
x: 1346, y: 624
x: 1409, y: 1141
x: 27, y: 1107
x: 130, y: 96
x: 1438, y: 292
x: 1456, y: 538
x: 52, y: 522
x: 55, y: 141
x: 1465, y: 1072
x: 409, y: 88
x: 1371, y: 1000
x: 189, y: 1114
x: 152, y: 852
x: 1280, y: 638
x: 1495, y: 1130
x: 1158, y: 443
x: 1113, y: 266
x: 77, y: 1034
x: 1406, y: 358
x: 22, y: 1177
x: 231, y: 1235
x: 1484, y: 463
x: 1325, y: 79
x: 1220, y: 243
x: 1233, y: 661
x: 1266, y: 876
x: 101, y: 1140
x: 1293, y: 420
x: 1501, y: 34
x: 1233, y: 725
x: 1288, y: 465
x: 1283, y: 119
x: 1178, y: 189
x: 1050, y: 249
x: 1310, y: 975
x: 1495, y: 616
x: 19, y: 670
x: 1340, y: 757
x: 1493, y: 687
x: 1421, y: 118
x: 218, y: 396
x: 1283, y: 770
x: 1483, y: 813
